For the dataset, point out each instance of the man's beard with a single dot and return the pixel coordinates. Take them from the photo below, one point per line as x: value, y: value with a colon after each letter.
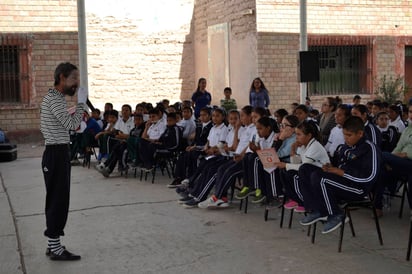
x: 70, y: 90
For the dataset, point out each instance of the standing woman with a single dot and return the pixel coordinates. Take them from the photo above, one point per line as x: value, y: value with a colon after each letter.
x: 326, y: 119
x: 258, y: 95
x: 55, y: 123
x: 201, y: 97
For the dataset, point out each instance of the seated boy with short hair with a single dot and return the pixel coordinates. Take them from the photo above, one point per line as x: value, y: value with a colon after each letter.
x: 170, y: 140
x: 350, y: 178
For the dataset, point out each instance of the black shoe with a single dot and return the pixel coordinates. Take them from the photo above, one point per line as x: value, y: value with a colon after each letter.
x: 48, y: 250
x: 185, y: 199
x: 65, y: 256
x: 176, y: 182
x: 180, y: 190
x: 191, y: 203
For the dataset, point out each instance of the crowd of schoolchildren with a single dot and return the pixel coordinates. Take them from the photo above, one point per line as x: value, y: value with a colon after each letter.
x: 342, y: 152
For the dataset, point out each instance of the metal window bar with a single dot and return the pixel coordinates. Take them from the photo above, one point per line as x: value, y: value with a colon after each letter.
x: 342, y: 69
x: 13, y: 67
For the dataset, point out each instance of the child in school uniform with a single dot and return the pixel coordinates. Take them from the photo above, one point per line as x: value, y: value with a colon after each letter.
x: 252, y: 167
x: 389, y: 133
x: 372, y: 133
x: 351, y: 177
x: 271, y: 184
x: 187, y: 161
x: 230, y: 170
x: 396, y: 163
x: 306, y: 150
x: 170, y: 140
x: 203, y: 180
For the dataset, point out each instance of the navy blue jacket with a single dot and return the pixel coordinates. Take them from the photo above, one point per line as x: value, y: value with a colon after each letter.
x: 202, y: 134
x: 360, y: 162
x: 171, y: 138
x: 373, y: 133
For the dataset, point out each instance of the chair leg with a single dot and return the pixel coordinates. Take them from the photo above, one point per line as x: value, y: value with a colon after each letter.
x: 378, y: 228
x: 153, y: 174
x: 246, y: 203
x: 404, y: 190
x: 282, y: 215
x: 290, y: 219
x: 342, y: 229
x: 266, y: 214
x: 408, y: 252
x: 313, y: 233
x: 241, y: 204
x: 350, y: 222
x: 141, y: 174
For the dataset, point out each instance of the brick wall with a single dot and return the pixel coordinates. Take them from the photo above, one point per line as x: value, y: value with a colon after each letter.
x: 128, y: 66
x: 357, y: 17
x: 278, y: 38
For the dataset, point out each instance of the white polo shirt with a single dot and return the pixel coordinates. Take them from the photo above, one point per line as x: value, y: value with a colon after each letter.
x: 217, y: 134
x: 124, y: 126
x: 156, y: 130
x: 268, y: 142
x: 245, y: 137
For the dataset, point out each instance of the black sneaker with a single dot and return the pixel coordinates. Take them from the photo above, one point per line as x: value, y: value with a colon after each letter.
x: 185, y: 199
x: 180, y: 190
x: 65, y: 256
x: 312, y: 218
x: 176, y: 182
x: 333, y: 222
x: 191, y: 203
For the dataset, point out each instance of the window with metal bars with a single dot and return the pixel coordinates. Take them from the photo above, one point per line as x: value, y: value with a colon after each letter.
x: 14, y: 69
x: 342, y: 70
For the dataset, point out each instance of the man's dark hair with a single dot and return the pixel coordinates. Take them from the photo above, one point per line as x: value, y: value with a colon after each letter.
x: 65, y: 69
x: 354, y: 124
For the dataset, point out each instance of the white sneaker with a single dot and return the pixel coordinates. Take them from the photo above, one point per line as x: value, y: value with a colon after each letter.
x: 185, y: 182
x: 206, y: 203
x: 100, y: 167
x: 213, y: 202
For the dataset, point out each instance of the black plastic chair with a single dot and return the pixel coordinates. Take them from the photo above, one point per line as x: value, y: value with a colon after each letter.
x: 402, y: 185
x: 164, y: 159
x: 349, y: 206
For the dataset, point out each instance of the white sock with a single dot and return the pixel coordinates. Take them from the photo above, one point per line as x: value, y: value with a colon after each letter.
x: 55, y: 246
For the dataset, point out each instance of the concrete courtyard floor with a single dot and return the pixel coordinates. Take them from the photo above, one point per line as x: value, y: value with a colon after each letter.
x: 124, y: 225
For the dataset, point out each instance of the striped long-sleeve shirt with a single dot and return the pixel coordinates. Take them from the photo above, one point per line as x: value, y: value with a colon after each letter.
x: 55, y: 120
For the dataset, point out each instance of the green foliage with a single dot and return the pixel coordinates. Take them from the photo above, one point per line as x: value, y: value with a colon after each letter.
x: 390, y: 90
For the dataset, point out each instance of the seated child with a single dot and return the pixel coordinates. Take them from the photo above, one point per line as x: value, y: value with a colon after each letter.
x: 109, y: 130
x: 220, y: 137
x: 134, y: 139
x: 351, y: 177
x: 227, y: 173
x: 187, y: 161
x: 170, y: 140
x: 306, y: 150
x: 396, y: 164
x: 117, y: 143
x: 389, y: 133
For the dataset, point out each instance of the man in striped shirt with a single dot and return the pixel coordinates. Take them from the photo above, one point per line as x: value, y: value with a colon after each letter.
x: 55, y: 123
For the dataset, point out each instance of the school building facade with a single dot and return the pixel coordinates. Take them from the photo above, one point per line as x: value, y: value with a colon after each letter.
x: 152, y: 51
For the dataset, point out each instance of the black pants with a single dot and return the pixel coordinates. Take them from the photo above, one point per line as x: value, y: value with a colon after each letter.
x: 56, y: 171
